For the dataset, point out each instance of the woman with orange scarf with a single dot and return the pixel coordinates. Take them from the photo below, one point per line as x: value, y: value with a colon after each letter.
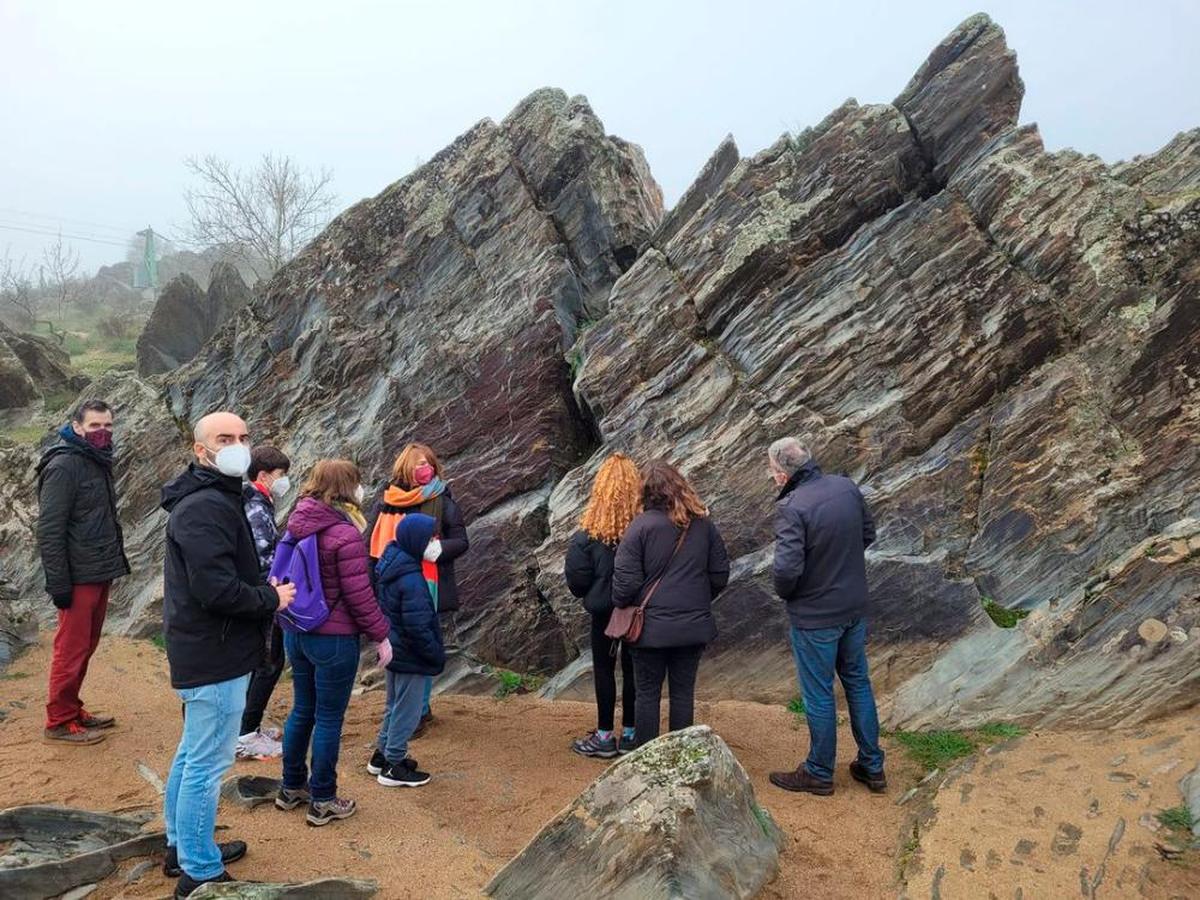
x: 417, y: 486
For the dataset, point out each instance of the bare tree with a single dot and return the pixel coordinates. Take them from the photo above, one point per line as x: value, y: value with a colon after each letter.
x: 262, y: 216
x: 61, y: 264
x: 17, y: 293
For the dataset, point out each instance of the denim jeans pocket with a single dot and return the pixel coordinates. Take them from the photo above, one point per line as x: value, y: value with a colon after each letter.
x: 324, y: 649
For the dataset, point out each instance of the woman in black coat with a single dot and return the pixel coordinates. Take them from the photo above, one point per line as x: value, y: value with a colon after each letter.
x: 676, y: 542
x: 417, y: 487
x: 589, y: 568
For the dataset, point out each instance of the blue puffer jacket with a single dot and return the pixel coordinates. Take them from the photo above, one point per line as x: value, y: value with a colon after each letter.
x: 415, y: 634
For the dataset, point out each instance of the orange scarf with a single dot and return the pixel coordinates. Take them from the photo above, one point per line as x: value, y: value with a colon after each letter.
x: 384, y: 531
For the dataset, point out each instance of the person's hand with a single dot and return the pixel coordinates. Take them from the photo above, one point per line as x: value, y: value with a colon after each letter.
x: 286, y: 592
x: 434, y: 550
x: 384, y: 648
x: 62, y: 601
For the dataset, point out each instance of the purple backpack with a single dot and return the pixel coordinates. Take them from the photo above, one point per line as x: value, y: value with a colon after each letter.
x: 297, y: 562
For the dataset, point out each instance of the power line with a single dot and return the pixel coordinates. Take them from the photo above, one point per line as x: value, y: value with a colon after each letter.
x: 72, y: 223
x: 74, y: 237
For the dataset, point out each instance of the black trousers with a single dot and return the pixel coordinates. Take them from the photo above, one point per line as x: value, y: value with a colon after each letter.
x: 263, y: 681
x: 604, y: 674
x: 679, y: 666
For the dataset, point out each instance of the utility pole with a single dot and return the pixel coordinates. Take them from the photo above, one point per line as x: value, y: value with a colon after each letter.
x: 146, y: 275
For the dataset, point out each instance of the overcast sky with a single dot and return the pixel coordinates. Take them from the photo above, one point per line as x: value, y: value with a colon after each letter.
x: 102, y: 101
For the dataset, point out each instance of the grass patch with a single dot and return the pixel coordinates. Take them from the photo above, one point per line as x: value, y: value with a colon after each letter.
x: 796, y: 707
x: 19, y: 435
x: 1002, y: 615
x: 514, y: 682
x: 92, y: 353
x: 1177, y: 818
x: 159, y: 641
x: 938, y: 749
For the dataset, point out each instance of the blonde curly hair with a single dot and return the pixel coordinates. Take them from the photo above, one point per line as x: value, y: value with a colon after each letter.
x: 615, y: 500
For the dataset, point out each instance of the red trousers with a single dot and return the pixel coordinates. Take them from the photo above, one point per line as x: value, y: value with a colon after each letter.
x: 75, y: 641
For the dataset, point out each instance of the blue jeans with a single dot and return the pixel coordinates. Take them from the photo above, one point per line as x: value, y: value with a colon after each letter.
x: 401, y: 715
x: 212, y: 714
x: 819, y: 653
x: 323, y: 670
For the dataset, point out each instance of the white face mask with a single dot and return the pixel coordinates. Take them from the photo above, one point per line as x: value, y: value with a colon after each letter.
x: 360, y: 494
x: 233, y: 460
x: 280, y: 486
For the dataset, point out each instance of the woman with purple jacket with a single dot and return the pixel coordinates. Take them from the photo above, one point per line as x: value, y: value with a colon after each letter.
x: 325, y: 660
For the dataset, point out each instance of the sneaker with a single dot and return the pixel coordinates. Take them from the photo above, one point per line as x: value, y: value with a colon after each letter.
x: 626, y: 745
x: 73, y: 733
x: 403, y: 774
x: 875, y: 781
x: 322, y: 812
x: 275, y: 734
x: 377, y: 763
x: 258, y: 746
x: 187, y: 884
x: 290, y: 798
x: 595, y: 746
x: 802, y: 782
x: 87, y: 720
x: 230, y: 852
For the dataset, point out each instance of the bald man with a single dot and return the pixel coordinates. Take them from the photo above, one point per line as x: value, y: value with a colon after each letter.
x: 214, y: 606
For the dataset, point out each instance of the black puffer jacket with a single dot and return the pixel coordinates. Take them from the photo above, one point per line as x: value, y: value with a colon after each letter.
x: 589, y: 572
x: 79, y: 535
x: 214, y: 598
x: 680, y: 612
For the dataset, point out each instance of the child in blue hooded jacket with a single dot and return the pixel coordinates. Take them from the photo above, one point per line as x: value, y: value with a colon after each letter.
x: 417, y: 650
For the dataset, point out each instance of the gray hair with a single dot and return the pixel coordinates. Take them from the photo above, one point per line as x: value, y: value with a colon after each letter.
x: 788, y: 455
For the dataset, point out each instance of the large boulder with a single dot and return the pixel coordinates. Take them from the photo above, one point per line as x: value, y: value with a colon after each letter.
x: 185, y: 317
x: 676, y: 818
x: 33, y: 367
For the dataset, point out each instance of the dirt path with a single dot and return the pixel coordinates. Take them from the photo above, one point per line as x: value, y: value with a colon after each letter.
x: 502, y: 769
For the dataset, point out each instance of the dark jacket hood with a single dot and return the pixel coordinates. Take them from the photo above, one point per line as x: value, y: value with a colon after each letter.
x: 197, y: 478
x: 806, y: 472
x: 405, y: 553
x: 69, y: 442
x: 311, y: 516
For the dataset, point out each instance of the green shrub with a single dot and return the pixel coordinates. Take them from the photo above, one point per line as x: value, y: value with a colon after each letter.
x: 1177, y: 818
x: 935, y: 749
x: 1002, y: 615
x: 796, y: 707
x: 1001, y: 731
x: 515, y: 682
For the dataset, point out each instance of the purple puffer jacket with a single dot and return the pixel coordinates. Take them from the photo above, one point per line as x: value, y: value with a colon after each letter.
x: 344, y: 575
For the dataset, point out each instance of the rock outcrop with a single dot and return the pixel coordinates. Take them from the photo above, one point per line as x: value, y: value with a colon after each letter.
x: 185, y: 317
x: 32, y: 367
x: 1000, y: 343
x: 675, y: 818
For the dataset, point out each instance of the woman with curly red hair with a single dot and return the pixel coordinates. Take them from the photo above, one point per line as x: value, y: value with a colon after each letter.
x: 615, y: 499
x: 673, y: 554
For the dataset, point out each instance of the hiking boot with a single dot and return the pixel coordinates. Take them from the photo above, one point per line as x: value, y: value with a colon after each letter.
x: 258, y: 746
x: 187, y: 884
x: 290, y: 798
x: 802, y: 782
x: 403, y: 774
x: 87, y: 720
x: 230, y: 852
x: 322, y: 812
x: 73, y: 733
x: 426, y: 720
x: 595, y: 746
x: 377, y: 763
x: 626, y: 745
x: 876, y: 781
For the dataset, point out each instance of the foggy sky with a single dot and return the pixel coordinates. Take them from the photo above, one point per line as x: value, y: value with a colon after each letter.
x: 102, y: 101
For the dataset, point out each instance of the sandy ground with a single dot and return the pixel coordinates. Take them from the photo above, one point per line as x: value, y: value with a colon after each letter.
x: 502, y: 769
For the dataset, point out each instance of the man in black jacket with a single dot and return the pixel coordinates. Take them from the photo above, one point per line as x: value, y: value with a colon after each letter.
x: 822, y: 529
x: 82, y: 552
x: 214, y: 605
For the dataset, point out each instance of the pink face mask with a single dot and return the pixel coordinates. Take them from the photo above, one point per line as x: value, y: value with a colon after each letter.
x: 423, y: 474
x: 101, y: 438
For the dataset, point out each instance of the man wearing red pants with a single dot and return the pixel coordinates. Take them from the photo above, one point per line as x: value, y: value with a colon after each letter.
x: 82, y: 550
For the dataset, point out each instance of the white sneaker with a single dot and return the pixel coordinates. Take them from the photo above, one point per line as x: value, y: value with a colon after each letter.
x: 258, y: 746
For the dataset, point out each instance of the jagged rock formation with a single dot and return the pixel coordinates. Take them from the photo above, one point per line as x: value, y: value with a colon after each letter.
x: 1000, y: 343
x: 675, y: 818
x: 32, y: 367
x: 185, y: 317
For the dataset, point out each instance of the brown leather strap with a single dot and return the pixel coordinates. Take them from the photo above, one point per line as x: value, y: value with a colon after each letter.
x: 670, y: 559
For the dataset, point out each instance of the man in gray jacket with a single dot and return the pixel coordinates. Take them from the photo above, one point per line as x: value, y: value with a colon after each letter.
x: 822, y: 529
